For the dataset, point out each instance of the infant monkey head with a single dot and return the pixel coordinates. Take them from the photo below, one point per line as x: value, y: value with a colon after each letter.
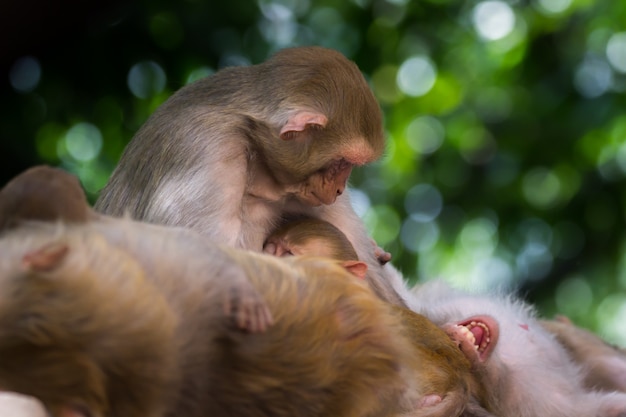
x: 314, y: 237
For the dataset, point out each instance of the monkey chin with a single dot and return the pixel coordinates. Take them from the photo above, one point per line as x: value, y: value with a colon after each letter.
x: 476, y: 336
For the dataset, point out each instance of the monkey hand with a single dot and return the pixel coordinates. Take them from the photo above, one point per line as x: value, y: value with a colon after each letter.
x: 382, y: 256
x: 248, y: 309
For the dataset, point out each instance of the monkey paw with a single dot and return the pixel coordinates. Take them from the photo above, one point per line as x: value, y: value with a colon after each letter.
x: 247, y: 308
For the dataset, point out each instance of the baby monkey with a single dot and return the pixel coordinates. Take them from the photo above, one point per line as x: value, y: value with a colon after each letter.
x: 438, y: 365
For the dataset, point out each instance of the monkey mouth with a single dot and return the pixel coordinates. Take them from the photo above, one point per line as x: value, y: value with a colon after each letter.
x: 477, y: 337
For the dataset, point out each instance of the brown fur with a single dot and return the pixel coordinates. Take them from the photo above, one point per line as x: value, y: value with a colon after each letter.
x: 232, y: 154
x: 438, y: 367
x: 112, y: 317
x: 98, y: 329
x: 45, y: 196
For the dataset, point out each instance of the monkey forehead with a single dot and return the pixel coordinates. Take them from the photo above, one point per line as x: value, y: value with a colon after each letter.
x: 358, y: 152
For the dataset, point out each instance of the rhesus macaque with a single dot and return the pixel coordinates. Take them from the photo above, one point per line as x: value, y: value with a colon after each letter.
x: 43, y: 193
x: 233, y: 154
x: 438, y: 362
x: 112, y: 318
x: 525, y: 370
x: 604, y: 364
x: 43, y: 196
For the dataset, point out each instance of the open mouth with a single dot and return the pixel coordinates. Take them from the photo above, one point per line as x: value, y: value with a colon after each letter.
x: 477, y: 336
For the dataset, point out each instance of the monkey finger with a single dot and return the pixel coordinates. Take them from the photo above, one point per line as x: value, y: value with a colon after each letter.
x: 247, y: 309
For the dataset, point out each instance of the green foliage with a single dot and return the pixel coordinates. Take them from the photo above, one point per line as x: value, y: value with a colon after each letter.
x: 507, y: 136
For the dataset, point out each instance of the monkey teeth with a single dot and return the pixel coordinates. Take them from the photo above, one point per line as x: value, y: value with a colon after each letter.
x: 476, y: 333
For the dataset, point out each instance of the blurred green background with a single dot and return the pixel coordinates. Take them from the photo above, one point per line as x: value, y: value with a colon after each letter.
x: 506, y: 121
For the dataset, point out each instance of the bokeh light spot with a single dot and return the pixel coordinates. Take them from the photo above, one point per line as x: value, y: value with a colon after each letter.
x: 425, y: 134
x: 416, y: 76
x: 418, y: 236
x: 593, y: 77
x: 611, y: 316
x: 423, y: 202
x: 384, y: 222
x: 83, y: 141
x: 574, y: 297
x: 278, y: 27
x: 146, y: 79
x: 616, y: 51
x: 384, y: 84
x: 479, y: 236
x: 541, y: 187
x: 552, y: 7
x: 25, y: 74
x: 493, y: 19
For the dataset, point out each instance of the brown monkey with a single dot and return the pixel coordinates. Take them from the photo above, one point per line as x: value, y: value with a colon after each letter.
x: 117, y: 318
x: 437, y: 362
x: 604, y: 364
x: 43, y: 193
x: 232, y: 154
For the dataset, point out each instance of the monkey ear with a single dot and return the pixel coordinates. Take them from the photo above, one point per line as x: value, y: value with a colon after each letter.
x: 45, y: 258
x: 299, y: 122
x: 356, y: 268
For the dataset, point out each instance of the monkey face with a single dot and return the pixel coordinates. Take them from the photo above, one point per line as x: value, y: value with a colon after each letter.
x: 324, y: 186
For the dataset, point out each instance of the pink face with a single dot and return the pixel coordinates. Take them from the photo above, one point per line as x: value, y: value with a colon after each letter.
x: 325, y: 186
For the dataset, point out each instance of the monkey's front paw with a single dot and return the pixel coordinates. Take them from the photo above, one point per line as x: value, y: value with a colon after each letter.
x: 248, y: 309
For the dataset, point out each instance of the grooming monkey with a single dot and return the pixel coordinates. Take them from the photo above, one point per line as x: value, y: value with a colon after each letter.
x: 438, y: 362
x: 233, y: 154
x: 524, y: 368
x: 109, y: 317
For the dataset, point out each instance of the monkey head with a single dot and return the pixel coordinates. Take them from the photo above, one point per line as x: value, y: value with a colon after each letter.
x: 325, y: 121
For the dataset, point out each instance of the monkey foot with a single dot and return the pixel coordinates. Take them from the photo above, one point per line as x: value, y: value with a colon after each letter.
x: 476, y: 336
x: 248, y: 309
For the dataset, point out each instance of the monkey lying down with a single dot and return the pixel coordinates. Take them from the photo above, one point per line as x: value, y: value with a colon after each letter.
x: 531, y: 370
x: 103, y: 317
x: 523, y: 369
